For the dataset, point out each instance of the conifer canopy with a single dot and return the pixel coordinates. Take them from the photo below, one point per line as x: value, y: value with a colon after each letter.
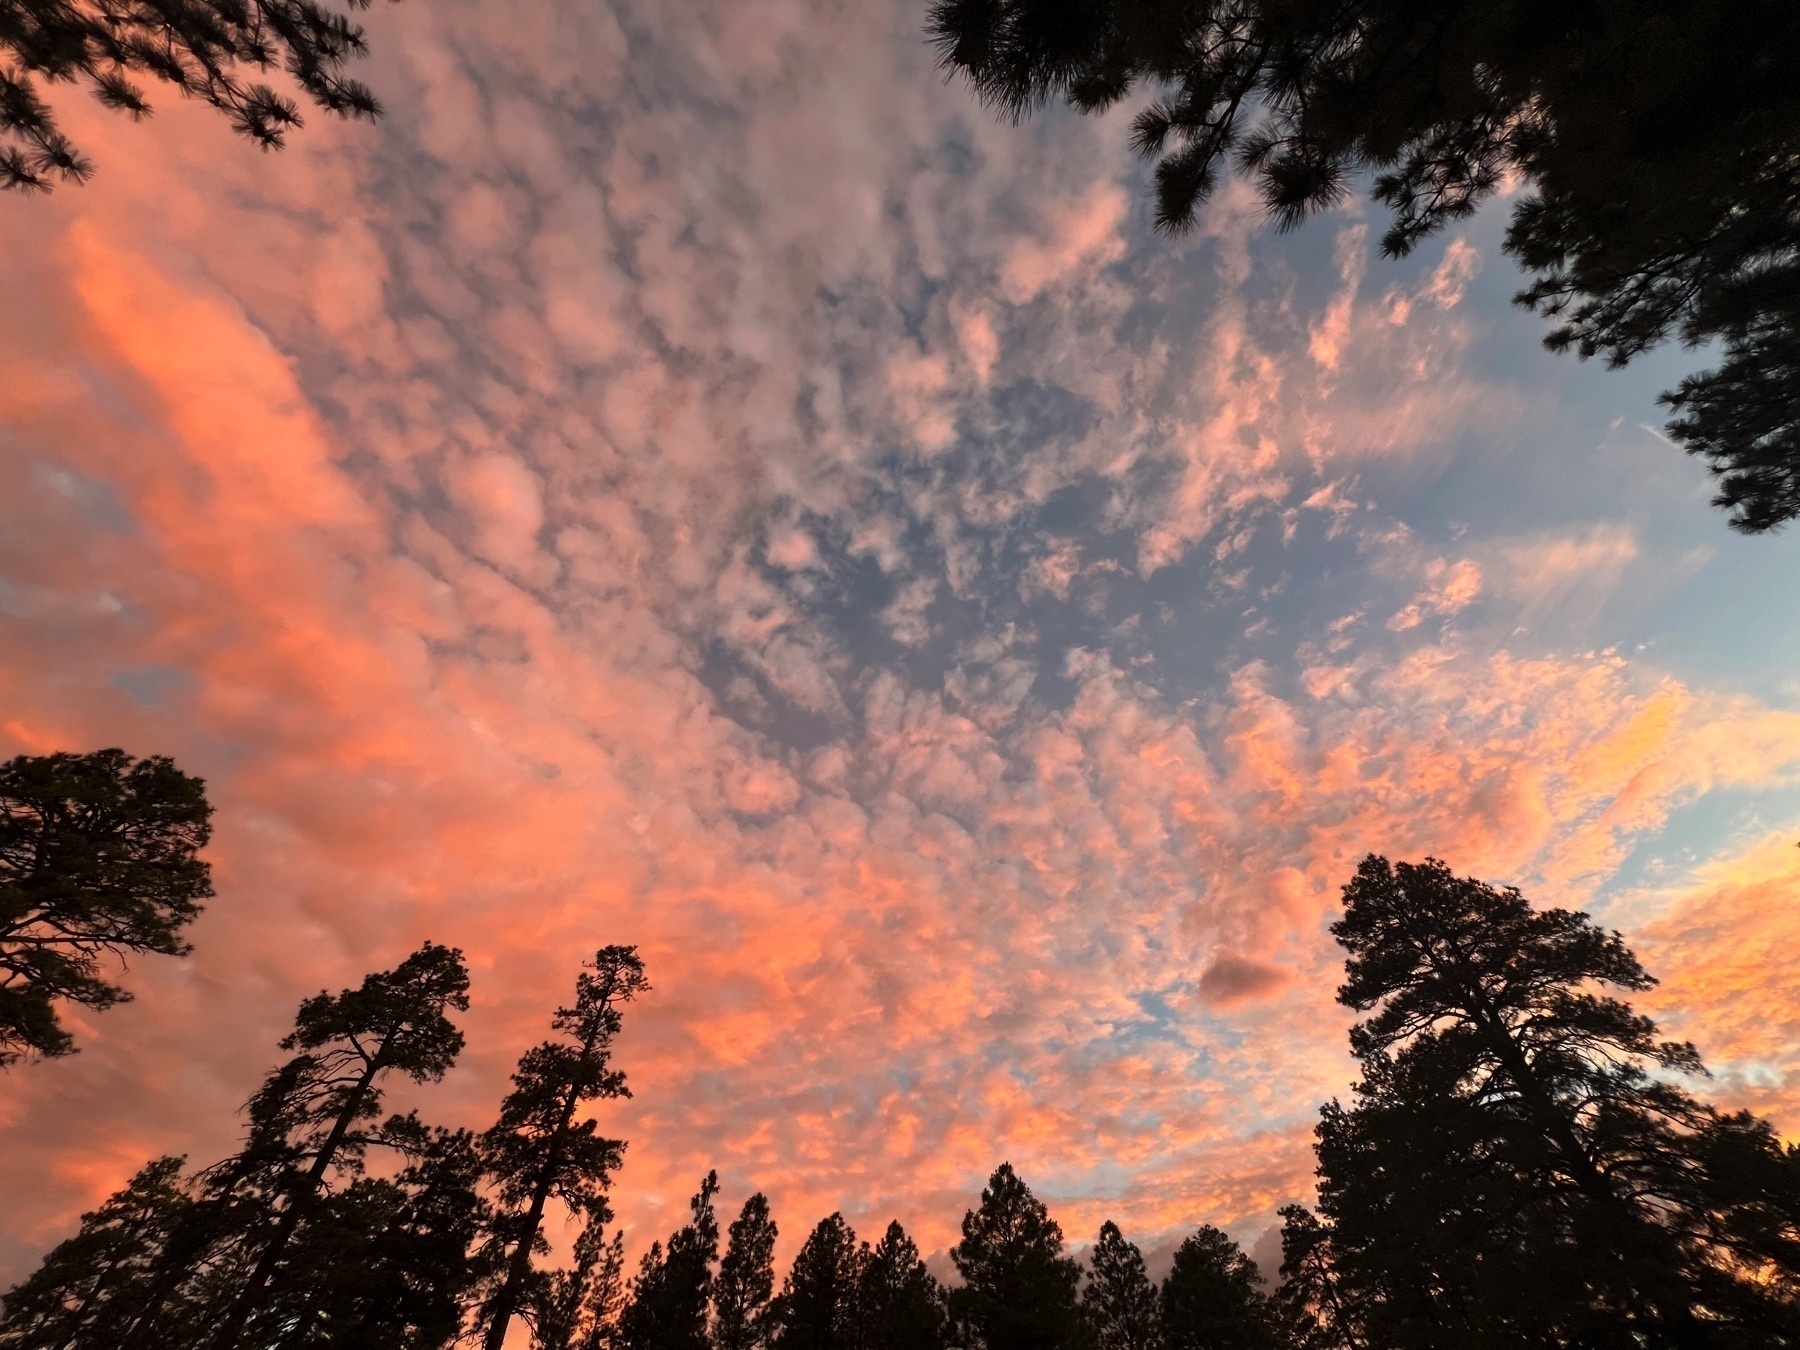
x: 97, y: 858
x: 1658, y: 142
x: 218, y: 51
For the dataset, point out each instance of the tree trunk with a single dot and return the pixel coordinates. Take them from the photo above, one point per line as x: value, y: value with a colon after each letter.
x: 507, y: 1302
x: 285, y: 1227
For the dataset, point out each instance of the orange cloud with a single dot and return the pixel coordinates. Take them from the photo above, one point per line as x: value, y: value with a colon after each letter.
x: 1727, y: 946
x: 465, y: 507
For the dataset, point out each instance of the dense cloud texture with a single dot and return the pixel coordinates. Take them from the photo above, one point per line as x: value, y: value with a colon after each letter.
x: 689, y: 479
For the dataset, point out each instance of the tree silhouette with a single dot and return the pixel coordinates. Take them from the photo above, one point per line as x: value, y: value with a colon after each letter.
x: 1659, y: 141
x: 1519, y: 1168
x: 899, y: 1305
x: 286, y: 1243
x: 670, y: 1296
x: 746, y: 1279
x: 1118, y: 1298
x: 538, y: 1151
x: 395, y: 1022
x: 90, y: 1287
x: 580, y: 1306
x: 1317, y: 1311
x: 818, y: 1308
x: 1018, y: 1289
x: 213, y: 50
x: 1519, y: 1165
x: 97, y: 857
x: 383, y: 1263
x: 1212, y: 1298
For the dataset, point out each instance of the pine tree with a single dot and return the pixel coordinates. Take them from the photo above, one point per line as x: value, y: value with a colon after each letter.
x: 581, y: 1306
x: 286, y: 1243
x: 1118, y: 1298
x: 395, y: 1022
x: 1212, y: 1298
x: 1316, y: 1310
x: 384, y: 1263
x: 746, y: 1279
x: 213, y: 50
x: 90, y: 1287
x: 673, y: 1288
x: 818, y: 1306
x: 538, y: 1151
x: 900, y: 1306
x: 97, y: 857
x: 1518, y: 1166
x: 1019, y: 1289
x: 1658, y: 140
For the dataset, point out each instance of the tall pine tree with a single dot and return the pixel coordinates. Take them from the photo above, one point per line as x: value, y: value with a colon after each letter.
x: 746, y: 1279
x: 1118, y: 1298
x: 1519, y: 1165
x: 1019, y: 1288
x: 288, y: 1243
x: 579, y: 1307
x: 673, y: 1288
x: 1212, y: 1298
x: 818, y: 1308
x: 538, y: 1151
x: 900, y: 1306
x: 395, y: 1022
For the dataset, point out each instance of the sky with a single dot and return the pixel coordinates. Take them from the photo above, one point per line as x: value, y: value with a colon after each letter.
x: 690, y: 477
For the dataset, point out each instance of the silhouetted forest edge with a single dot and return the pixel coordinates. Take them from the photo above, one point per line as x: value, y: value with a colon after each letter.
x: 1522, y: 1162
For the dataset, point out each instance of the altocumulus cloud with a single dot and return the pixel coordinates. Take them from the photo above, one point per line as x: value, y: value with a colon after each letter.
x: 687, y: 480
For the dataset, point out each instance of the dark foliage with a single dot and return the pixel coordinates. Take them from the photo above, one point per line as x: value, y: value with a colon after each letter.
x: 89, y: 1288
x: 900, y: 1306
x: 382, y: 1264
x: 1519, y: 1165
x: 314, y: 1116
x: 1018, y: 1289
x: 538, y: 1151
x: 818, y: 1308
x: 673, y: 1288
x: 1213, y: 1299
x: 746, y: 1280
x: 287, y: 1243
x: 97, y: 858
x: 579, y: 1308
x: 214, y: 50
x: 1660, y: 141
x: 1317, y: 1311
x: 1118, y: 1298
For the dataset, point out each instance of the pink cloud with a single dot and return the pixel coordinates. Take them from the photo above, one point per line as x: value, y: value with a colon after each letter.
x: 1083, y: 235
x: 439, y: 475
x: 1449, y: 589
